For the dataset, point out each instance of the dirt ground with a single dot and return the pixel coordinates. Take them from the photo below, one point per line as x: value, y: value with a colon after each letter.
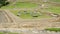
x: 16, y: 22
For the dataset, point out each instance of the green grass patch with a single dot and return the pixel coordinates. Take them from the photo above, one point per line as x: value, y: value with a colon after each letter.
x: 53, y: 9
x: 53, y: 29
x: 55, y: 0
x: 25, y: 5
x: 21, y: 5
x: 29, y: 15
x: 2, y: 33
x: 7, y: 33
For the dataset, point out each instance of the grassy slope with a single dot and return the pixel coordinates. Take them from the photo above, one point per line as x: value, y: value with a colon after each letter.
x: 28, y: 16
x: 21, y: 5
x: 53, y: 8
x: 24, y: 5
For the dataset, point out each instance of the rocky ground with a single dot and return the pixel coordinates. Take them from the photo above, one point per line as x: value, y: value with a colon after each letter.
x: 27, y: 31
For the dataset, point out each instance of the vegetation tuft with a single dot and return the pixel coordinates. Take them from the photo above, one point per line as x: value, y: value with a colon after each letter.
x: 53, y: 29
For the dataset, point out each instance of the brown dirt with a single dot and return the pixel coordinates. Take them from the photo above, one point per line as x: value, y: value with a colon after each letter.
x: 28, y: 23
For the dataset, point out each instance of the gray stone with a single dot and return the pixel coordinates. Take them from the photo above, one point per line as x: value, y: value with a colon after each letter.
x: 19, y: 13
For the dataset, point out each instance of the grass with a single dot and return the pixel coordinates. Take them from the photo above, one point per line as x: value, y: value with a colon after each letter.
x: 25, y: 5
x: 21, y: 5
x: 53, y: 29
x: 55, y: 0
x: 7, y: 33
x: 2, y: 33
x: 54, y: 9
x: 29, y: 16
